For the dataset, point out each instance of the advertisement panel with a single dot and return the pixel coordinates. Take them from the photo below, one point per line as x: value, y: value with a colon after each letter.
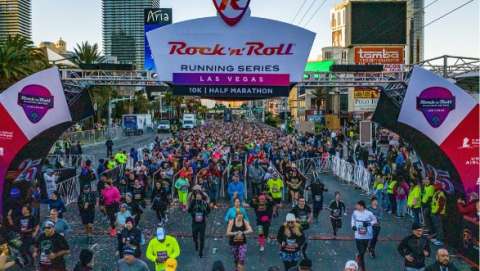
x: 365, y: 99
x: 153, y: 19
x: 379, y: 55
x: 369, y: 27
x: 232, y: 55
x: 449, y: 116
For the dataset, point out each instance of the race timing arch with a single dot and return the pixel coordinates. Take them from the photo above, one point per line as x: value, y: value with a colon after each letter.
x: 35, y: 111
x: 441, y: 121
x: 232, y: 55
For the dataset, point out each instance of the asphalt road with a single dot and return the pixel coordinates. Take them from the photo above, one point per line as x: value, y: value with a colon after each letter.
x: 327, y: 254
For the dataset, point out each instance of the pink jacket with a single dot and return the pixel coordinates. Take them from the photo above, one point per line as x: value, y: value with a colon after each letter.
x: 111, y: 195
x: 405, y: 187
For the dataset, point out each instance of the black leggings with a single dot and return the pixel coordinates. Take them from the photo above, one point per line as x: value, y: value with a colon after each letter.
x: 160, y: 212
x: 198, y: 233
x: 289, y: 265
x: 336, y: 224
x: 111, y: 210
x: 373, y: 241
x: 362, y: 245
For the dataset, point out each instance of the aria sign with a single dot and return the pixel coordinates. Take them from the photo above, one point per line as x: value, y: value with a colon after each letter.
x: 232, y: 55
x: 231, y: 11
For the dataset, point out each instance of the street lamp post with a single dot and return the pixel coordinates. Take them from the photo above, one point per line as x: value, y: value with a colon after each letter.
x: 110, y: 103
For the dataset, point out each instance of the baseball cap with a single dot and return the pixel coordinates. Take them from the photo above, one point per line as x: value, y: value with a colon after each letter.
x: 290, y: 217
x: 170, y: 264
x: 160, y: 233
x: 351, y: 265
x: 128, y: 251
x: 49, y: 224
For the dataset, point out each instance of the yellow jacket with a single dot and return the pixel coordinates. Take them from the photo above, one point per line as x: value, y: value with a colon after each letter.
x: 169, y: 248
x: 414, y: 197
x: 427, y: 194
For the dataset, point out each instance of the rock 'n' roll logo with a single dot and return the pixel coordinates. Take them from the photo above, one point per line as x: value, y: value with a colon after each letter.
x: 35, y: 100
x: 435, y: 103
x: 231, y: 11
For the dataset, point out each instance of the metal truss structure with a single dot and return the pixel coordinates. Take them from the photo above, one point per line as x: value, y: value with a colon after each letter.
x: 446, y: 66
x: 84, y: 78
x: 452, y: 66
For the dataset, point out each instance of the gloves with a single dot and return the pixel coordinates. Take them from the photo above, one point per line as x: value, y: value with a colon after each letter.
x: 354, y: 228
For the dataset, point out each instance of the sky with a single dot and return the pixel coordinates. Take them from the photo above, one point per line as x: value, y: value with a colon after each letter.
x: 76, y: 21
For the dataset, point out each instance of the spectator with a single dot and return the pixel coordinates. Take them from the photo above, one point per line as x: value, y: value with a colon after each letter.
x: 109, y: 145
x: 442, y: 263
x: 130, y: 263
x: 439, y: 210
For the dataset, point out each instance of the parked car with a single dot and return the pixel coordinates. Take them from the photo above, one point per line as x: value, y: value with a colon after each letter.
x: 163, y: 126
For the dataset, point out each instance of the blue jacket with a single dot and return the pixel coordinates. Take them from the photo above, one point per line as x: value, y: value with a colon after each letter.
x: 236, y: 187
x: 231, y: 213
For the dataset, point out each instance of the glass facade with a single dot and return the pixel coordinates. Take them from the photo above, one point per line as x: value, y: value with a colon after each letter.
x: 123, y: 30
x: 15, y: 18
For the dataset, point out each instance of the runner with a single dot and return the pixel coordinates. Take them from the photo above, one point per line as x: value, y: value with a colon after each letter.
x: 160, y: 201
x: 86, y: 206
x: 362, y: 221
x: 161, y: 248
x: 275, y: 189
x: 304, y: 216
x: 130, y: 238
x: 295, y: 184
x: 199, y: 209
x: 182, y: 184
x: 291, y: 239
x: 111, y: 200
x: 51, y: 248
x: 237, y: 230
x: 378, y: 213
x: 317, y: 188
x: 337, y: 209
x: 414, y: 248
x: 263, y: 206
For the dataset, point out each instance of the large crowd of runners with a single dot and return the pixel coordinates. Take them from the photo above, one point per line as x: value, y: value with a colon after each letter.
x: 242, y: 165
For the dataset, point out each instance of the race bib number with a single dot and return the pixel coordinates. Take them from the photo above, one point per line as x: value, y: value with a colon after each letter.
x: 138, y: 196
x: 291, y: 245
x: 275, y: 190
x: 198, y: 217
x: 362, y: 230
x: 44, y: 260
x: 162, y: 256
x: 303, y: 219
x: 336, y: 212
x: 318, y: 198
x: 264, y: 218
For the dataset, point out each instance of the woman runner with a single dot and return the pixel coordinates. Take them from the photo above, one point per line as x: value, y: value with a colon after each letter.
x: 237, y: 230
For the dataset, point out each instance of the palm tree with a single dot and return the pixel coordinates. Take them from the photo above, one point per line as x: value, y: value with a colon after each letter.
x: 175, y: 102
x: 86, y: 53
x: 19, y: 59
x: 101, y: 95
x: 321, y: 97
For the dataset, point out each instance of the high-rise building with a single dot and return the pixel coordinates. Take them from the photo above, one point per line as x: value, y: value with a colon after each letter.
x: 416, y: 37
x: 123, y: 30
x: 15, y: 18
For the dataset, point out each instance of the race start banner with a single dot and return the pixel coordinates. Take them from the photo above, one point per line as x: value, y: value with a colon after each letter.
x: 27, y: 109
x: 232, y: 55
x: 449, y: 116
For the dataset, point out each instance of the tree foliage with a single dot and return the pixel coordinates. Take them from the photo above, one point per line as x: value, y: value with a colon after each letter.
x: 19, y: 59
x: 86, y: 53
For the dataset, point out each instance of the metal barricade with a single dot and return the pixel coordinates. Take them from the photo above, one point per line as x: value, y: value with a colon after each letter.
x: 69, y: 190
